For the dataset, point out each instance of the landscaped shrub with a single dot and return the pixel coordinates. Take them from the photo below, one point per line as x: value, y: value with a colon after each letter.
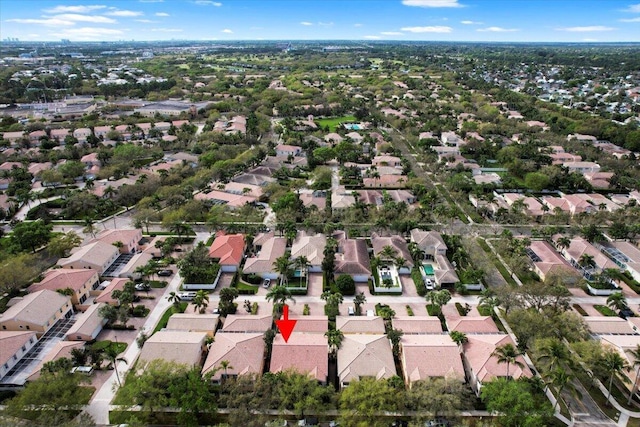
x: 418, y: 281
x: 140, y: 311
x: 346, y: 285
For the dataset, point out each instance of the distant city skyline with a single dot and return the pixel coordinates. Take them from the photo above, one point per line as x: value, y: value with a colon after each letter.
x: 365, y: 20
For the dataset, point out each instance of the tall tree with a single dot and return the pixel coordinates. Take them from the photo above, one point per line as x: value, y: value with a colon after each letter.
x: 508, y: 354
x: 614, y: 365
x: 635, y: 363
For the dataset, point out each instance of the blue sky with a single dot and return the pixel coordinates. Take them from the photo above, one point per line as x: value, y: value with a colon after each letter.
x: 438, y: 20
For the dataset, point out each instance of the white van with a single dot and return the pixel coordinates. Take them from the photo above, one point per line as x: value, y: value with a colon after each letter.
x: 186, y: 296
x: 87, y: 370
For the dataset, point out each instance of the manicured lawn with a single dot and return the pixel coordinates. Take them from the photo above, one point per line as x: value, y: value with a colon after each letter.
x: 101, y: 345
x: 245, y: 287
x: 334, y: 122
x: 158, y: 284
x: 605, y: 311
x: 170, y: 311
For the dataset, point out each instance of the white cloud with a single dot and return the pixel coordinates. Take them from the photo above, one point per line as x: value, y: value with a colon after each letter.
x: 96, y: 19
x: 588, y: 29
x: 391, y: 33
x: 167, y: 30
x: 433, y: 29
x: 89, y: 33
x: 589, y: 40
x: 372, y: 37
x: 631, y: 19
x: 325, y: 24
x: 75, y: 9
x: 471, y: 23
x: 497, y: 30
x: 207, y: 3
x: 145, y: 21
x: 432, y: 3
x: 633, y: 8
x: 163, y: 14
x: 227, y: 31
x: 306, y: 23
x: 53, y: 22
x: 357, y: 25
x: 124, y: 13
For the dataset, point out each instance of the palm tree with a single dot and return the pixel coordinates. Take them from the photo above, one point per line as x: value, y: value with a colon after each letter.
x: 587, y: 261
x: 614, y: 365
x: 388, y: 253
x: 279, y: 295
x: 225, y: 365
x: 508, y: 354
x: 302, y: 263
x: 636, y: 364
x: 111, y: 354
x: 399, y: 262
x: 394, y: 336
x: 617, y: 301
x: 489, y: 299
x: 563, y: 242
x: 559, y: 378
x: 283, y: 266
x: 89, y: 227
x: 417, y: 254
x: 358, y: 300
x: 334, y: 337
x: 175, y: 299
x: 201, y: 301
x: 458, y: 337
x: 555, y: 352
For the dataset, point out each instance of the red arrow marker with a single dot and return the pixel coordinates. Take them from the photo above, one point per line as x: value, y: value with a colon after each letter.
x: 285, y: 325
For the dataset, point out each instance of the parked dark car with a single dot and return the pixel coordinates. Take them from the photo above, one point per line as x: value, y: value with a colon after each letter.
x: 626, y: 312
x: 165, y: 273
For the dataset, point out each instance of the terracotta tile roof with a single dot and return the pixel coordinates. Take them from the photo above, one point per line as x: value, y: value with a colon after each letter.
x: 352, y: 257
x: 426, y: 356
x: 105, y: 295
x: 118, y: 235
x: 63, y: 278
x: 396, y: 242
x: 60, y: 350
x: 97, y: 253
x: 473, y: 325
x: 38, y: 307
x: 247, y: 323
x: 309, y: 246
x: 272, y: 248
x: 609, y: 325
x: 304, y: 353
x: 365, y: 355
x: 177, y: 346
x: 229, y: 248
x: 11, y: 342
x: 360, y: 324
x: 193, y: 322
x: 418, y: 324
x: 244, y: 352
x: 318, y: 324
x: 478, y: 350
x: 87, y: 322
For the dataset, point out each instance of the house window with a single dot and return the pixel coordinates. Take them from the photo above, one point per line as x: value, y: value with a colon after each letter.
x: 28, y: 327
x: 78, y: 337
x: 24, y: 348
x: 6, y: 366
x: 15, y: 357
x: 4, y: 327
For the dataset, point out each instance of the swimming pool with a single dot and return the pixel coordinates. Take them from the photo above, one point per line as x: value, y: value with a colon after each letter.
x: 428, y: 269
x: 352, y: 126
